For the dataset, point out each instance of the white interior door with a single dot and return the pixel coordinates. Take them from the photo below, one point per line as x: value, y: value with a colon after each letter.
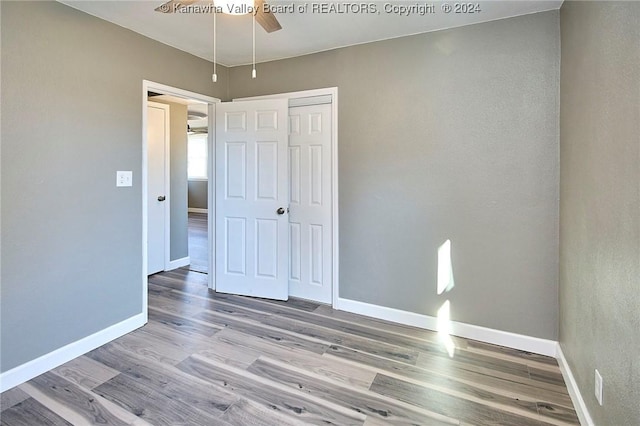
x: 310, y: 231
x: 157, y: 157
x: 252, y: 198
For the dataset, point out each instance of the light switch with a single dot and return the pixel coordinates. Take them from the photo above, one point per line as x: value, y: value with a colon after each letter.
x: 124, y: 178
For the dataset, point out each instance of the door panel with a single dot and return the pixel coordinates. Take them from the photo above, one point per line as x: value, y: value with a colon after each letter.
x: 236, y: 162
x: 235, y: 238
x: 267, y: 171
x: 157, y: 144
x: 310, y: 232
x: 251, y: 182
x: 294, y: 174
x: 267, y: 248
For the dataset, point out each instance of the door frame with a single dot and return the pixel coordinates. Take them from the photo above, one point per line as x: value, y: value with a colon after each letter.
x: 335, y: 228
x: 167, y: 181
x: 152, y: 86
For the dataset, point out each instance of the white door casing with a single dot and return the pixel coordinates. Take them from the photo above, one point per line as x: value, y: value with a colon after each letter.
x: 310, y: 230
x: 251, y: 186
x: 157, y: 186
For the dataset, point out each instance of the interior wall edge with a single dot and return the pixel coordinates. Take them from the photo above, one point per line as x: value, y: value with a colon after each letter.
x: 574, y: 391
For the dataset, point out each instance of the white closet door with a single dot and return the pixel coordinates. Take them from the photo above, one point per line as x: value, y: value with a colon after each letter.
x: 310, y: 231
x: 252, y: 198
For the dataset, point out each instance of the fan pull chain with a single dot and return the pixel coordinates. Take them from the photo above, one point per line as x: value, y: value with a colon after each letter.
x: 253, y: 71
x: 214, y: 77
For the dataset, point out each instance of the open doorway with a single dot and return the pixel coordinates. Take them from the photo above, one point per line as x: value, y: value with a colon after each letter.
x: 245, y: 143
x: 186, y: 242
x: 198, y: 185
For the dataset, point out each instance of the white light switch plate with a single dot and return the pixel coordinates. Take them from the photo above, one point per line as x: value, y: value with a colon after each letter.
x: 598, y: 387
x: 124, y: 178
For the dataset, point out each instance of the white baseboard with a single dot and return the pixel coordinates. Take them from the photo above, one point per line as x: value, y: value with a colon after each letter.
x: 31, y: 369
x: 178, y: 263
x: 483, y: 334
x: 197, y: 210
x: 574, y: 391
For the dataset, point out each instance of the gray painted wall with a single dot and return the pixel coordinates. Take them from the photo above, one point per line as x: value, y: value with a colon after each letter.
x: 600, y: 204
x: 71, y: 241
x: 448, y: 135
x: 178, y: 188
x: 198, y: 194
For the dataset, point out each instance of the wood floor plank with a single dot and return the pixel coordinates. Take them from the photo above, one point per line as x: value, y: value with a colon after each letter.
x: 216, y: 305
x: 294, y: 303
x: 191, y: 282
x: 180, y: 323
x: 305, y: 408
x: 448, y: 405
x: 558, y: 412
x: 356, y: 399
x: 226, y: 353
x: 85, y: 372
x: 151, y: 405
x: 547, y: 376
x: 165, y: 381
x: 198, y: 242
x: 430, y: 362
x: 75, y: 404
x: 316, y: 364
x: 149, y: 347
x: 515, y: 353
x: 12, y: 397
x: 495, y: 397
x: 254, y: 328
x: 562, y: 400
x: 176, y: 336
x: 186, y: 276
x: 372, y: 346
x: 167, y: 304
x: 182, y: 298
x: 256, y: 305
x: 246, y: 412
x: 30, y: 412
x: 154, y: 289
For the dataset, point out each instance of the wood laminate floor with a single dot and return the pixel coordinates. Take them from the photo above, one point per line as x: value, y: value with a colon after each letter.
x: 213, y: 359
x: 198, y: 243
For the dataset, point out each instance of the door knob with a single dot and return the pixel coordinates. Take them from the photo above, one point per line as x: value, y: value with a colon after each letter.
x: 162, y: 198
x: 280, y: 210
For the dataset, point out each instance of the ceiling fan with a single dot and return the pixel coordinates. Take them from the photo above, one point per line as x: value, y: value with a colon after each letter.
x: 264, y: 17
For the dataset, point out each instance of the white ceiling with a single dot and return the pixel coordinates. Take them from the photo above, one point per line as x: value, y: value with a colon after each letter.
x: 302, y: 33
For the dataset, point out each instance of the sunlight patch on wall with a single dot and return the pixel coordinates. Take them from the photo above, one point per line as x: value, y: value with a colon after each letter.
x: 445, y: 280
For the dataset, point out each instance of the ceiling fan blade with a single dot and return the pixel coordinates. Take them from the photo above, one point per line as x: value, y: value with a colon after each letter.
x: 267, y: 20
x: 173, y: 5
